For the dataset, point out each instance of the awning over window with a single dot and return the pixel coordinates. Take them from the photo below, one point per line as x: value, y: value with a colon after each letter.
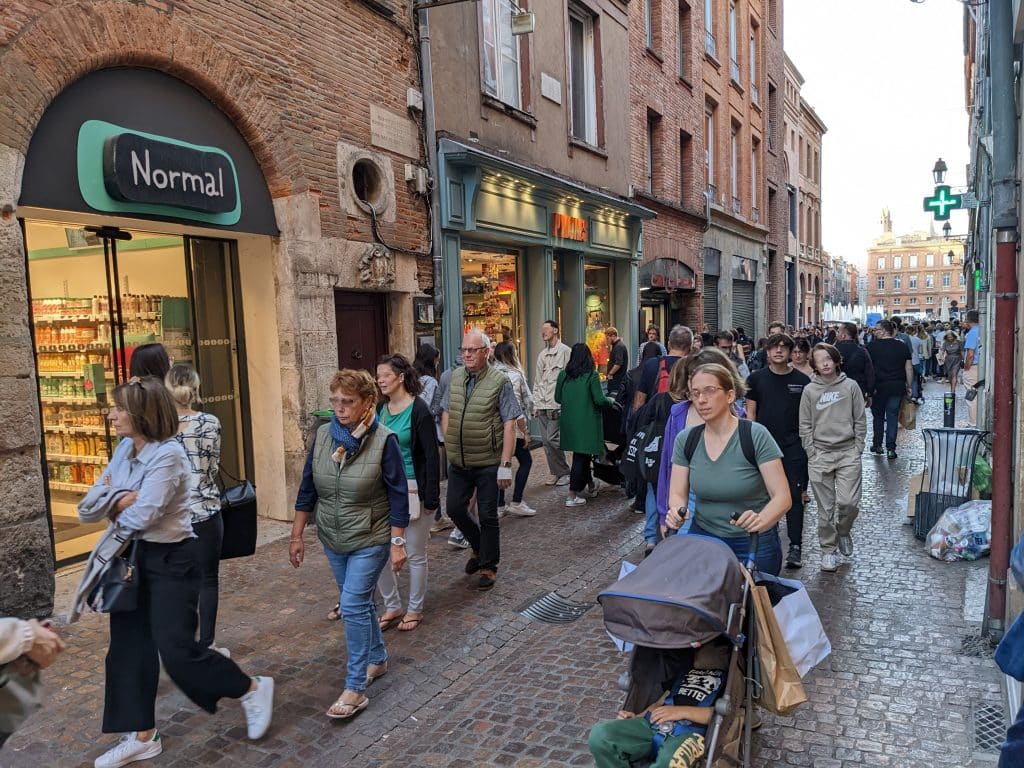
x: 668, y: 275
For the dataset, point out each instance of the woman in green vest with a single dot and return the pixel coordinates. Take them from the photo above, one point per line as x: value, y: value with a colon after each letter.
x: 354, y: 486
x: 579, y: 392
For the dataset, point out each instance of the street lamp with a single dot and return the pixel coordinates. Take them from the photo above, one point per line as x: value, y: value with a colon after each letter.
x: 946, y: 229
x: 939, y: 171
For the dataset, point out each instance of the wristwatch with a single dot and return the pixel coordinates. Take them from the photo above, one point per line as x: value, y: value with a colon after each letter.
x: 397, y: 541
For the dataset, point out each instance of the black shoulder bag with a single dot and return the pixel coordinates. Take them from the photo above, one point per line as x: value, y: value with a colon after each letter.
x: 118, y: 588
x: 238, y: 511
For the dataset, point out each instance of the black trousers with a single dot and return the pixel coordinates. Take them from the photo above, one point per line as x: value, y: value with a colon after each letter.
x: 211, y: 535
x: 483, y: 538
x: 580, y: 475
x: 163, y: 627
x: 794, y: 464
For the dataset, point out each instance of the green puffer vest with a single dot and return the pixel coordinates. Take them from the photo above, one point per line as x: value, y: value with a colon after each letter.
x: 352, y: 509
x: 475, y: 429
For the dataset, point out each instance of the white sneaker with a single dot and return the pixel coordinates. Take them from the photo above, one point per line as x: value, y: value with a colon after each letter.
x: 829, y: 561
x: 129, y: 749
x: 503, y: 511
x: 222, y: 651
x: 259, y: 707
x: 562, y: 481
x: 521, y: 509
x: 457, y: 540
x: 579, y: 501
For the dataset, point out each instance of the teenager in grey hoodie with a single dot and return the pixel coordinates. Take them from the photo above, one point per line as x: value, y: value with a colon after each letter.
x: 832, y: 430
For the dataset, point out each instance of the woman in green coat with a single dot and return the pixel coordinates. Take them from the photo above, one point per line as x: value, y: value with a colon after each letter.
x: 579, y: 393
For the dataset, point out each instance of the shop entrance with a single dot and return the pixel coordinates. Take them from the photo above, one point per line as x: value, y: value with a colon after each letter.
x: 97, y: 294
x: 362, y: 326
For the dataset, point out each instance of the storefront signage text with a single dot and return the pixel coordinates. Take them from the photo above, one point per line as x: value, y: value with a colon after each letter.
x: 137, y: 169
x: 569, y: 227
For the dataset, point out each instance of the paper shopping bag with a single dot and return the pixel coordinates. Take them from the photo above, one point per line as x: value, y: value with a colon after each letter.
x: 781, y: 689
x: 800, y: 624
x: 908, y: 414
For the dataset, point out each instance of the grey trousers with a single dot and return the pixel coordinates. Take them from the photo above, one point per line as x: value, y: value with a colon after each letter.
x: 835, y: 480
x: 549, y: 438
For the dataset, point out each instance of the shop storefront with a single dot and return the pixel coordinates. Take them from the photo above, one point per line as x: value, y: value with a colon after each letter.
x: 521, y: 246
x: 138, y: 196
x: 668, y: 294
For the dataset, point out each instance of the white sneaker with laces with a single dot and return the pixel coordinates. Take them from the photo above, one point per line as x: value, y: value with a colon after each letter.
x: 521, y: 509
x: 457, y: 540
x: 562, y: 481
x: 222, y: 651
x: 259, y: 707
x: 129, y: 749
x: 579, y: 501
x: 829, y: 561
x: 503, y: 511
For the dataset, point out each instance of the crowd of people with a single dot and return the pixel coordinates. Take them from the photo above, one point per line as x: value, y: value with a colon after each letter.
x: 717, y: 435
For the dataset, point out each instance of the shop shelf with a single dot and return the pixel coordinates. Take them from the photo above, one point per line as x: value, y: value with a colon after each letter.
x: 56, y: 485
x: 69, y: 374
x: 91, y: 319
x: 67, y: 458
x: 48, y: 400
x: 101, y: 346
x: 60, y: 429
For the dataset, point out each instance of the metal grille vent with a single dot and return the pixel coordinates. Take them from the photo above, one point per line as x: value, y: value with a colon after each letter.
x: 552, y: 608
x: 989, y: 729
x: 978, y: 646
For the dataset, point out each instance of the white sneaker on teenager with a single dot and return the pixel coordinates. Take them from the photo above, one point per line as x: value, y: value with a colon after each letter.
x: 829, y: 561
x: 521, y: 509
x: 129, y: 750
x: 578, y: 501
x: 562, y: 481
x: 259, y: 707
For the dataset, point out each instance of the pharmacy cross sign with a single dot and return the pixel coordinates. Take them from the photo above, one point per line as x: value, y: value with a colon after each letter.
x: 942, y: 202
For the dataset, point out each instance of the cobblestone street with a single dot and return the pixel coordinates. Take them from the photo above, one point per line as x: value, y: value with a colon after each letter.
x: 479, y: 684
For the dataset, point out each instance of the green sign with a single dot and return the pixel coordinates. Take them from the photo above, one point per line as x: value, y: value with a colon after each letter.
x: 126, y: 171
x: 942, y: 202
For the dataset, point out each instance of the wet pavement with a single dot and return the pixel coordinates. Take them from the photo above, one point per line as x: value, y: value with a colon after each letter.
x: 478, y: 684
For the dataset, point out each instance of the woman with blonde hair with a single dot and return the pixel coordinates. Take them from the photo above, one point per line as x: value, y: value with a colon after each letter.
x: 735, y: 469
x: 199, y: 434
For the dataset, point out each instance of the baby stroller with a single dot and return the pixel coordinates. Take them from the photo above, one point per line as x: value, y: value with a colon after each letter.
x: 606, y: 468
x: 689, y: 592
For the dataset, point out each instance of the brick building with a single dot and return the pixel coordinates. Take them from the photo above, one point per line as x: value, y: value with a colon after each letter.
x: 667, y: 143
x: 916, y: 272
x: 243, y: 168
x: 735, y: 104
x: 775, y: 163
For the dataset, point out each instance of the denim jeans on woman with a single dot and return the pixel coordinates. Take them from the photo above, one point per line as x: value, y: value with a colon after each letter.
x: 769, y: 548
x: 357, y: 573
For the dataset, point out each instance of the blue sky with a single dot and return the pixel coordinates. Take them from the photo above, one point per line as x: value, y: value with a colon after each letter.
x: 886, y: 76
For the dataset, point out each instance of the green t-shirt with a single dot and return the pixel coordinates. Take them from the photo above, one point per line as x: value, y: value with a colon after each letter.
x: 401, y: 425
x: 728, y: 484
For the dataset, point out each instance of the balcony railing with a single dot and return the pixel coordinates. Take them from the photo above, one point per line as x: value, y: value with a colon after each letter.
x: 710, y: 44
x: 755, y: 215
x: 736, y: 205
x: 734, y: 68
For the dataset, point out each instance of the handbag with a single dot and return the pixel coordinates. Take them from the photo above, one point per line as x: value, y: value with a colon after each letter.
x: 238, y: 512
x: 118, y: 588
x: 414, y: 501
x: 20, y: 696
x: 908, y: 414
x: 800, y: 624
x: 781, y: 689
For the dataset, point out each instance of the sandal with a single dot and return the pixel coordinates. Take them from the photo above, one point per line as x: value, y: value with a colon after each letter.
x: 335, y: 613
x: 370, y: 677
x: 409, y: 623
x: 387, y: 622
x: 340, y: 710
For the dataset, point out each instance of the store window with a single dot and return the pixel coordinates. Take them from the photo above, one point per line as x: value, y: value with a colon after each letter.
x: 597, y: 304
x: 490, y: 283
x: 92, y: 306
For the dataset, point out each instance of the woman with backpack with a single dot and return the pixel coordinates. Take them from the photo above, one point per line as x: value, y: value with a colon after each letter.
x: 578, y: 391
x: 735, y: 468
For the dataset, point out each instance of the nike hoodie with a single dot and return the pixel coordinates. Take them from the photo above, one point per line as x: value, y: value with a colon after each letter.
x: 832, y: 416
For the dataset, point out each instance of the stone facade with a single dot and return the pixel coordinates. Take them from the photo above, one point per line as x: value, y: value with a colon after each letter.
x: 302, y: 109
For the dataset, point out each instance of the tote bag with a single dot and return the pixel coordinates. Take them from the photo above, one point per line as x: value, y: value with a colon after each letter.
x: 800, y: 624
x: 781, y: 689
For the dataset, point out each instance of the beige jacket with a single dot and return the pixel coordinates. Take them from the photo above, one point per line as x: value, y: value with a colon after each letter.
x: 550, y: 362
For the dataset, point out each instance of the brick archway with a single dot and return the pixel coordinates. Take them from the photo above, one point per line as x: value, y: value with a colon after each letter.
x: 70, y: 41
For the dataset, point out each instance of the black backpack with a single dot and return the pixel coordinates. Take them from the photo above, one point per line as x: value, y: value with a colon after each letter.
x: 746, y: 442
x: 642, y: 459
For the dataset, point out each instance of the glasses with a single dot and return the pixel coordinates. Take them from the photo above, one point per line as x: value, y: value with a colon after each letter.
x: 470, y: 350
x: 705, y: 392
x: 725, y: 347
x: 342, y: 402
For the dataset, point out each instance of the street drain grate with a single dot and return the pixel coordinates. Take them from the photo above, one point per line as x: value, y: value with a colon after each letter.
x: 552, y: 608
x: 989, y: 729
x: 978, y: 646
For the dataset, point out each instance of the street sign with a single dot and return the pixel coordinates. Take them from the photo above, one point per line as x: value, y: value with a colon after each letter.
x: 942, y: 202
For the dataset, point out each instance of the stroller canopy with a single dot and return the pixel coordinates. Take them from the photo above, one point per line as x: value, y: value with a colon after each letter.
x: 679, y: 596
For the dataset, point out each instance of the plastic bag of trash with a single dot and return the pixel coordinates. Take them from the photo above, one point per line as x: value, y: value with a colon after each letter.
x: 962, y: 533
x: 982, y: 479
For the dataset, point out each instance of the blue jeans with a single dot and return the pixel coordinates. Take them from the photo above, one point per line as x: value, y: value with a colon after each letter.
x: 769, y: 548
x: 357, y: 573
x: 652, y: 517
x: 918, y: 380
x: 885, y: 414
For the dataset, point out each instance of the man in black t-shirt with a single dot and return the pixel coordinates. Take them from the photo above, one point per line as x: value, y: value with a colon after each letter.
x: 893, y: 376
x: 773, y: 399
x: 618, y: 360
x: 656, y: 370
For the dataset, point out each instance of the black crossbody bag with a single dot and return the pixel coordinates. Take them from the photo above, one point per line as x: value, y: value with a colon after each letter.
x: 118, y: 588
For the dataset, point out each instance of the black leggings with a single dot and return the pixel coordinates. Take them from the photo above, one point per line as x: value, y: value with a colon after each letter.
x: 579, y: 474
x: 211, y: 534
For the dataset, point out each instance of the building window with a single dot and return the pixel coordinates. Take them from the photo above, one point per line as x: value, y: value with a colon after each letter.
x: 653, y: 120
x: 583, y: 75
x: 755, y: 203
x: 929, y: 260
x: 500, y: 53
x: 929, y: 300
x: 897, y: 262
x: 755, y: 96
x: 897, y: 281
x: 684, y: 43
x: 912, y: 300
x: 649, y: 24
x: 897, y: 301
x: 734, y: 167
x: 734, y: 53
x: 881, y: 262
x: 880, y: 283
x: 685, y: 164
x: 710, y: 45
x: 947, y: 279
x: 963, y: 279
x: 913, y: 261
x: 947, y: 259
x: 709, y: 152
x: 792, y: 211
x: 929, y: 280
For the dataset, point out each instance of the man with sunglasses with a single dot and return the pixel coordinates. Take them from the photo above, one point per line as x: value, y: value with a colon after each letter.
x: 478, y: 417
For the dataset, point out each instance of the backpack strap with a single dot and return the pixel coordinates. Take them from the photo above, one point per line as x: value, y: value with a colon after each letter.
x: 747, y: 441
x: 692, y: 440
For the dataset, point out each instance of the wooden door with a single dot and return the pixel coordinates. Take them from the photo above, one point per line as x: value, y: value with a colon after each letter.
x: 361, y: 321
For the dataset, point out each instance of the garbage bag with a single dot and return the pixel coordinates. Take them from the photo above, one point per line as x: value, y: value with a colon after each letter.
x: 962, y: 533
x: 982, y: 480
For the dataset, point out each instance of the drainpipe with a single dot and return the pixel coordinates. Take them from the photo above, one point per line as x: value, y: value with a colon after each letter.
x: 429, y: 128
x: 1005, y: 223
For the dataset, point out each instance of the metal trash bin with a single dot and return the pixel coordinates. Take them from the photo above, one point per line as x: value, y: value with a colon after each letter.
x: 949, y: 463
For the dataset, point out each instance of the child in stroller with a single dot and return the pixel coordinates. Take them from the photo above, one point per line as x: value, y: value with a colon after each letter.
x: 671, y: 728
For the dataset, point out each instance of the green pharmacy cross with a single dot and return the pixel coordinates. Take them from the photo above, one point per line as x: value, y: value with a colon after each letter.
x: 942, y: 202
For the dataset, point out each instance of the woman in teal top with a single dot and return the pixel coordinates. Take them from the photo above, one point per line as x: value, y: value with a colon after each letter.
x: 726, y: 483
x: 409, y: 417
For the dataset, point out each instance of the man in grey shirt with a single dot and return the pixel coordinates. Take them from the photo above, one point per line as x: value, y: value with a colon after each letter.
x: 550, y: 362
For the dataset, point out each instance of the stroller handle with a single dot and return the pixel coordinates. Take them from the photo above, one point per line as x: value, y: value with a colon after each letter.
x: 752, y: 554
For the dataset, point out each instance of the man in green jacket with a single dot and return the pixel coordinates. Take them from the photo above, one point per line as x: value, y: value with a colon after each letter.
x: 478, y: 417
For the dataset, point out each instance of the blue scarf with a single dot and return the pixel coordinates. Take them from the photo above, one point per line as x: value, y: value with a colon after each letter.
x: 347, y: 440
